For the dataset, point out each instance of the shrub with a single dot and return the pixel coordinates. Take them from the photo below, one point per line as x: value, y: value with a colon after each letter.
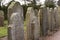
x: 50, y: 4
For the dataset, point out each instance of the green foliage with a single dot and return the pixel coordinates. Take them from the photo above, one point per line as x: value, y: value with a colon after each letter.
x: 33, y: 4
x: 3, y: 31
x: 50, y: 4
x: 0, y: 8
x: 25, y: 10
x: 4, y: 8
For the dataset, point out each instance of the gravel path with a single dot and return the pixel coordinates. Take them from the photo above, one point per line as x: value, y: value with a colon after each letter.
x: 5, y: 38
x: 55, y: 36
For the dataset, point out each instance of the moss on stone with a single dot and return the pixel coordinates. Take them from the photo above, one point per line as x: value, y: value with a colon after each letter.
x: 12, y: 4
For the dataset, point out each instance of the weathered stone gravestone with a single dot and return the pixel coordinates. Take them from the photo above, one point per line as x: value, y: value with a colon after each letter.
x: 1, y: 18
x: 40, y: 20
x: 15, y: 28
x: 58, y: 15
x: 53, y: 18
x: 44, y: 22
x: 33, y: 28
x: 59, y: 3
x: 49, y: 20
x: 55, y: 12
x: 37, y: 25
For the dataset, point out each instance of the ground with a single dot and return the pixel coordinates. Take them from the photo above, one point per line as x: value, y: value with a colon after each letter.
x: 3, y: 33
x: 3, y: 29
x: 5, y: 38
x: 55, y: 36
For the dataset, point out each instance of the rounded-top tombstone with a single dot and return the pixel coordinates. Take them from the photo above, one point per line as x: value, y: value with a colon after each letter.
x: 15, y: 18
x: 32, y: 24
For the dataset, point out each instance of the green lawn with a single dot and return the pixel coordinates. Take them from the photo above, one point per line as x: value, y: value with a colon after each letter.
x: 3, y: 29
x: 24, y: 25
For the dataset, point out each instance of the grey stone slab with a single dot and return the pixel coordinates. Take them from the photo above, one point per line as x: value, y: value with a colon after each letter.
x: 1, y: 18
x: 32, y: 25
x: 16, y: 23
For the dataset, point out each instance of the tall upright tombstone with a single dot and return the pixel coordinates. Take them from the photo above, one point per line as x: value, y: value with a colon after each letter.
x: 49, y: 18
x: 52, y: 19
x: 59, y: 3
x: 40, y: 18
x: 56, y: 17
x: 44, y: 21
x: 51, y: 22
x: 39, y: 21
x: 37, y: 25
x: 32, y: 25
x: 1, y: 18
x: 15, y: 28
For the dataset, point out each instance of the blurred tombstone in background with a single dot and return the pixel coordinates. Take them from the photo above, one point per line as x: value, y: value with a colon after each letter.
x: 44, y: 21
x: 59, y: 3
x: 1, y: 18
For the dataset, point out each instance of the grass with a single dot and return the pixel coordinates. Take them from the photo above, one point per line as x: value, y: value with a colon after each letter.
x: 3, y: 29
x: 24, y: 26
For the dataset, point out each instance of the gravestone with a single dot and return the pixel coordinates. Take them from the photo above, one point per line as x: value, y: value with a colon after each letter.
x: 1, y: 18
x: 37, y: 25
x: 15, y: 28
x: 52, y: 23
x: 44, y: 22
x: 54, y: 20
x: 33, y: 28
x: 39, y: 21
x: 49, y: 18
x: 59, y: 3
x: 58, y: 15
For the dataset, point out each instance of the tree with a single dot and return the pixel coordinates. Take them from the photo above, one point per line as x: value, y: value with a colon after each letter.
x: 50, y: 4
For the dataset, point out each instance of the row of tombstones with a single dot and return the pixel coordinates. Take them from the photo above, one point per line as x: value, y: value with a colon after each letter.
x: 38, y: 22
